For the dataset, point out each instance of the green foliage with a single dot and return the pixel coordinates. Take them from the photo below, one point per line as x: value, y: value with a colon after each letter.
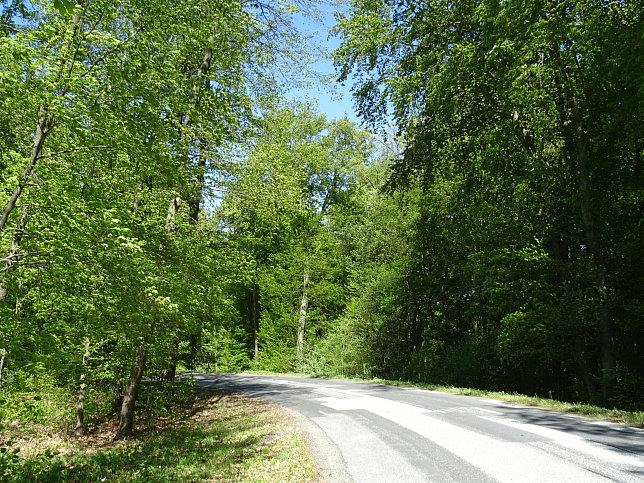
x: 206, y: 436
x: 9, y: 460
x: 495, y: 243
x: 28, y: 400
x: 164, y: 398
x: 343, y: 350
x: 284, y: 213
x: 515, y: 165
x: 224, y: 350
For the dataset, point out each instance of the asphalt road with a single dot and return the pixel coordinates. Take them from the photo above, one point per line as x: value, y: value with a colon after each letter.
x: 375, y: 433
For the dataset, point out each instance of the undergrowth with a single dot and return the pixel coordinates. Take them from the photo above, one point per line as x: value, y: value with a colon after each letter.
x: 183, y: 434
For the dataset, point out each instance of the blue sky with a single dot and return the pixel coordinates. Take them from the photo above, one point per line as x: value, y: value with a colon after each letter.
x: 334, y: 104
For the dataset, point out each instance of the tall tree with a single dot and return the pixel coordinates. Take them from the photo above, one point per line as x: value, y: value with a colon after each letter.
x: 511, y: 101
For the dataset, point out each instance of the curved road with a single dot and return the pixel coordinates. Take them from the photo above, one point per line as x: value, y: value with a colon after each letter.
x: 372, y: 433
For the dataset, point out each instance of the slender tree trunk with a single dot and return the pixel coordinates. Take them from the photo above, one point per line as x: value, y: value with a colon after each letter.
x: 117, y: 394
x: 126, y: 421
x: 45, y: 118
x: 13, y: 252
x: 304, y: 304
x: 117, y: 383
x: 194, y: 201
x: 254, y: 316
x: 3, y: 355
x: 82, y: 392
x: 43, y: 127
x: 171, y: 369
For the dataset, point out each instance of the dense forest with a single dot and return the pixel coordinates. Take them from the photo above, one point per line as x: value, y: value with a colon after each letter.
x: 163, y: 206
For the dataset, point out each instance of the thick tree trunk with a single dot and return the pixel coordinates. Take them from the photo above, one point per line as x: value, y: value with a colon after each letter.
x: 173, y: 209
x: 304, y: 304
x: 82, y: 392
x: 126, y: 421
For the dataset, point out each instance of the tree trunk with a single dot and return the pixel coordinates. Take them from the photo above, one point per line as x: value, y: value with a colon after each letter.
x: 43, y: 126
x: 3, y: 355
x: 13, y: 251
x: 171, y: 369
x: 117, y: 383
x: 126, y: 421
x: 82, y: 392
x: 593, y: 241
x: 194, y: 200
x: 304, y: 304
x: 117, y: 395
x: 587, y: 377
x: 254, y: 317
x: 173, y: 209
x: 45, y: 119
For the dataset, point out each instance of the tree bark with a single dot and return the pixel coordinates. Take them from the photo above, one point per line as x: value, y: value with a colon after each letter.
x: 194, y: 200
x: 117, y: 395
x: 13, y: 251
x: 254, y: 317
x: 173, y: 209
x: 43, y: 127
x: 171, y: 369
x: 126, y: 421
x: 3, y: 355
x: 304, y: 304
x: 560, y: 254
x: 82, y: 392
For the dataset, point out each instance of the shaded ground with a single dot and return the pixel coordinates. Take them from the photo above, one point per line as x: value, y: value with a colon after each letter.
x: 222, y: 436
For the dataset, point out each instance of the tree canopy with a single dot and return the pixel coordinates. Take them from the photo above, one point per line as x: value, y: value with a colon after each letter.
x: 164, y: 206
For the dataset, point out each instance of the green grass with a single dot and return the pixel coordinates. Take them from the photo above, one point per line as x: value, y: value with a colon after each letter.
x: 631, y: 418
x: 219, y: 437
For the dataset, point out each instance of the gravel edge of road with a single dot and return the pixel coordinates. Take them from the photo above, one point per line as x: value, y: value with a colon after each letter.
x: 331, y: 464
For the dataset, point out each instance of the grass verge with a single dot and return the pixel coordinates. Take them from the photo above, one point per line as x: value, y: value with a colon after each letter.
x: 220, y: 436
x: 631, y: 418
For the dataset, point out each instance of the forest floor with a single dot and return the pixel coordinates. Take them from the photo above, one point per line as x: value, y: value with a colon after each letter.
x: 221, y: 436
